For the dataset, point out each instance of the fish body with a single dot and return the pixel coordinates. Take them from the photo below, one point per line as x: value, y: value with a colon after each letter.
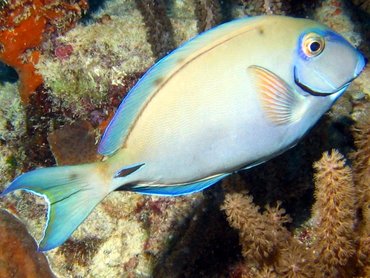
x: 227, y: 100
x: 204, y: 118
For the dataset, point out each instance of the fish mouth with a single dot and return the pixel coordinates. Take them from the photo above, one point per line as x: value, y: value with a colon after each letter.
x: 320, y: 93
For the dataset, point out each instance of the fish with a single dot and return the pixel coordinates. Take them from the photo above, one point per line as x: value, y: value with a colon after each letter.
x: 227, y: 100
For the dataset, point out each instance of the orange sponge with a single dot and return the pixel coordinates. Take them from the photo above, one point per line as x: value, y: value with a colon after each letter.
x: 24, y: 24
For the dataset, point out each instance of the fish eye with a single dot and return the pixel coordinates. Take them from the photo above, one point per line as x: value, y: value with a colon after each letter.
x: 312, y: 44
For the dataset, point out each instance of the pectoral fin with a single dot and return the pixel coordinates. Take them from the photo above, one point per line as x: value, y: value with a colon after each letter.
x: 281, y: 104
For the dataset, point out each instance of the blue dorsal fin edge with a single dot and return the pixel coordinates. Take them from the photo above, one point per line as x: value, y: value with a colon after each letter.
x: 174, y: 190
x: 131, y: 106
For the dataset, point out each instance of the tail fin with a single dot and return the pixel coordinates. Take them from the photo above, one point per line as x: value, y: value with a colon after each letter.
x: 72, y: 193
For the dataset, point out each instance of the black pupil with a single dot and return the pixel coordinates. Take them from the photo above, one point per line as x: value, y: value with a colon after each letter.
x: 314, y: 46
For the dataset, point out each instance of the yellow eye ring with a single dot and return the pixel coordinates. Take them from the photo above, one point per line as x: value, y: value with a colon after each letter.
x: 312, y: 44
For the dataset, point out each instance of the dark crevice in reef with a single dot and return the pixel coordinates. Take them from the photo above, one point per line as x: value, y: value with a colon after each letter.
x: 302, y: 8
x: 94, y: 6
x: 207, y: 245
x: 7, y: 74
x: 361, y: 19
x: 159, y: 27
x: 40, y: 113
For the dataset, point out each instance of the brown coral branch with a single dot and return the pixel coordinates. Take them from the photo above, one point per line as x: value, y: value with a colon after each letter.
x: 208, y: 13
x: 361, y: 157
x: 265, y: 241
x: 159, y: 28
x: 363, y: 256
x: 341, y: 238
x: 260, y: 234
x: 295, y: 260
x: 334, y: 212
x: 361, y: 175
x: 361, y: 160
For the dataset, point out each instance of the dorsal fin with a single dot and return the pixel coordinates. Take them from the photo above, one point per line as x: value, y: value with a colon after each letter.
x: 139, y: 96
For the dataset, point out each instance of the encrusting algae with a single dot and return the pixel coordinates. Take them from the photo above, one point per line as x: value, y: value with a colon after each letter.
x: 111, y: 51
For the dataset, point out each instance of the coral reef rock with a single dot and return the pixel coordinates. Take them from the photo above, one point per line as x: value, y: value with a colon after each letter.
x: 87, y: 66
x: 18, y: 251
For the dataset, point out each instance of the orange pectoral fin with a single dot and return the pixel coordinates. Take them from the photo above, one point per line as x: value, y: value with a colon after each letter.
x: 278, y: 100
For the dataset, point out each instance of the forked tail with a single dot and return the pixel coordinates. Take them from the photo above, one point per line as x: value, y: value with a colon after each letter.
x: 71, y: 191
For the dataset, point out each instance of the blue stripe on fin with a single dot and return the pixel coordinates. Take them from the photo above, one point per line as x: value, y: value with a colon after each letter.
x: 131, y: 106
x: 175, y: 190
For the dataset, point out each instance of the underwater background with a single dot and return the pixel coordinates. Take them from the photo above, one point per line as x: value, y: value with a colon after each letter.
x: 65, y: 67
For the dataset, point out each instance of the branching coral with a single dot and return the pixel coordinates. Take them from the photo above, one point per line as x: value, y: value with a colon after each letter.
x: 183, y: 20
x: 361, y: 174
x: 23, y: 25
x: 294, y: 261
x: 335, y: 252
x: 257, y: 7
x: 159, y: 28
x: 334, y: 211
x: 361, y: 157
x: 208, y: 13
x: 266, y: 243
x: 258, y: 243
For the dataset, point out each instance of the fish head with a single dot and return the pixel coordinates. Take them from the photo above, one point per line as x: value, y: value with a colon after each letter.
x: 325, y: 62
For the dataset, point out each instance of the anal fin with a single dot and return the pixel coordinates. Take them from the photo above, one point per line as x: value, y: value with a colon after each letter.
x: 174, y: 189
